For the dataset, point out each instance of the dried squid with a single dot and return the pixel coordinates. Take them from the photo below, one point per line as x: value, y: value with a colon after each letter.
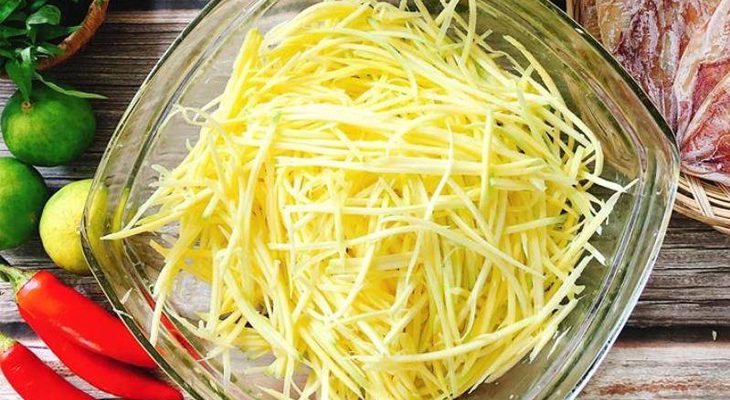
x: 705, y: 150
x: 702, y: 90
x: 648, y: 37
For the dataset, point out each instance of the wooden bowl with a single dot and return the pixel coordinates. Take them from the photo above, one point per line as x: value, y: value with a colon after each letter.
x: 77, y: 40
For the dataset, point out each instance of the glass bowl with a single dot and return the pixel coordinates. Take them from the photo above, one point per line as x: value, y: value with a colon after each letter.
x: 637, y: 146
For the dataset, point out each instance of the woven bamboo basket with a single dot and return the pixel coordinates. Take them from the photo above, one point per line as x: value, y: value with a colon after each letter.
x: 705, y: 201
x: 699, y: 199
x: 77, y: 40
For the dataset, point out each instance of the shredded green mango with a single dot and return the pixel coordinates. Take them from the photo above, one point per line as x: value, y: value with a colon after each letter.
x: 377, y: 202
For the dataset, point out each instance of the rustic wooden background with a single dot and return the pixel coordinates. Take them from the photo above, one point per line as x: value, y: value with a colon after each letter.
x: 677, y: 343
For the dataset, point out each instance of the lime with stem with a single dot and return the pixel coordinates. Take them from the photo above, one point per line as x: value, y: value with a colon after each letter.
x: 49, y: 128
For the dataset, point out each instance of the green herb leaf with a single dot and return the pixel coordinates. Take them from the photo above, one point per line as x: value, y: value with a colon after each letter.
x: 26, y: 55
x: 33, y: 33
x: 17, y: 16
x: 68, y: 91
x: 30, y: 31
x: 7, y: 7
x: 6, y: 54
x: 49, y: 32
x: 9, y: 31
x: 22, y: 75
x: 47, y: 14
x: 36, y: 4
x: 49, y: 49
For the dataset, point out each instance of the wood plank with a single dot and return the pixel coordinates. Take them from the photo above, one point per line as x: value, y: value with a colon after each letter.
x: 690, y: 284
x: 664, y: 364
x: 119, y: 5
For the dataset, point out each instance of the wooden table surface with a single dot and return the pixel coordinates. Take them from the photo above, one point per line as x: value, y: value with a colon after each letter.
x: 677, y: 342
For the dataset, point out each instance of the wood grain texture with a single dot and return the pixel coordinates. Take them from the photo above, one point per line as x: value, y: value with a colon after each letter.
x: 664, y: 364
x: 690, y: 285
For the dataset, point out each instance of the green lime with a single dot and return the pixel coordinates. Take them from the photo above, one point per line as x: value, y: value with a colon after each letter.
x: 60, y: 226
x: 49, y: 129
x: 22, y: 195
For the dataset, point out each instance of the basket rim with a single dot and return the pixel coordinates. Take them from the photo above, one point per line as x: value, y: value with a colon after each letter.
x: 74, y: 42
x: 705, y: 201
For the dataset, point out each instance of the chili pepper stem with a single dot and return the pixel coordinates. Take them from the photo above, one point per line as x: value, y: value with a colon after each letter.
x: 14, y: 276
x: 6, y: 342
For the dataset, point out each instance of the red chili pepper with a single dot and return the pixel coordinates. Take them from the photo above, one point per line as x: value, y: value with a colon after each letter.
x: 32, y: 379
x: 81, y: 320
x: 104, y: 373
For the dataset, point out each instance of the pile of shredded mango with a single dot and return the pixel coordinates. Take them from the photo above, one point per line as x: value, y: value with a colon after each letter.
x: 382, y: 203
